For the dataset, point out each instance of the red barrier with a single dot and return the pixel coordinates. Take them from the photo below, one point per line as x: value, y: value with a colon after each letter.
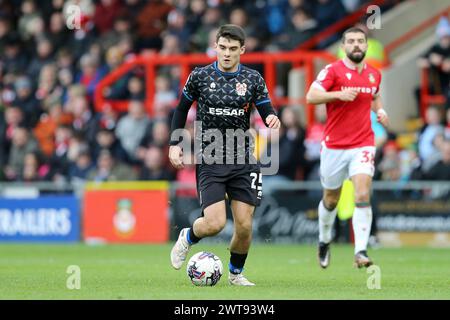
x: 341, y: 25
x: 269, y: 61
x: 426, y: 98
x: 416, y: 30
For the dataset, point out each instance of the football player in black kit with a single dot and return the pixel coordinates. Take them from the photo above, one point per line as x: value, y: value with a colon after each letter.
x: 224, y: 90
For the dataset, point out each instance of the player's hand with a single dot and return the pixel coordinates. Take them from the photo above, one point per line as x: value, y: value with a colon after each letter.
x: 436, y: 59
x: 176, y: 157
x: 446, y: 65
x: 423, y: 63
x: 382, y: 118
x: 273, y: 122
x: 348, y: 94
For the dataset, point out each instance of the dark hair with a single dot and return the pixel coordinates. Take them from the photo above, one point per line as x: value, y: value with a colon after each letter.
x: 105, y: 130
x: 353, y: 30
x: 231, y: 31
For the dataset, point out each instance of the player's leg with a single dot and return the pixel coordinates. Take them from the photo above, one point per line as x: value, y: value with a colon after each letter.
x: 362, y: 218
x: 333, y: 168
x: 361, y: 172
x: 211, y: 223
x: 327, y: 215
x: 211, y: 189
x: 240, y: 242
x: 242, y: 233
x: 245, y: 191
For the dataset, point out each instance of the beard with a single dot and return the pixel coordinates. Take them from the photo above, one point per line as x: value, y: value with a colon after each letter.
x: 356, y: 58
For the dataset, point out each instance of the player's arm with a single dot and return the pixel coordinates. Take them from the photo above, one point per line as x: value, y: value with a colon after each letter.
x: 377, y: 107
x: 179, y: 120
x: 269, y: 115
x: 264, y: 106
x: 318, y: 95
x: 320, y: 90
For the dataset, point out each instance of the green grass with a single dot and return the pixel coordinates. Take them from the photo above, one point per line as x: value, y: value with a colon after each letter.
x: 280, y: 272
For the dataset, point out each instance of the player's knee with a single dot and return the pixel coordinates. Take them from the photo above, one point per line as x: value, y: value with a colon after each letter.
x: 330, y: 203
x: 215, y: 226
x: 244, y: 230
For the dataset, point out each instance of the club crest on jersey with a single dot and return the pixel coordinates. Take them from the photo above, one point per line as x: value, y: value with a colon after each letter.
x: 241, y: 89
x: 212, y: 86
x: 349, y: 75
x: 322, y: 74
x: 371, y: 78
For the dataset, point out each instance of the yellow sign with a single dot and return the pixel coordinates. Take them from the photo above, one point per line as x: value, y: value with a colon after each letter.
x: 346, y: 204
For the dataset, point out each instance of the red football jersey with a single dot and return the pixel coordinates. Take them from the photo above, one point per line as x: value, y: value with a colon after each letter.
x: 348, y: 123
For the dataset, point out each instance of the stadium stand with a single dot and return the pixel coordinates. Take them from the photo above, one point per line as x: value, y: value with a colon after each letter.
x: 49, y: 74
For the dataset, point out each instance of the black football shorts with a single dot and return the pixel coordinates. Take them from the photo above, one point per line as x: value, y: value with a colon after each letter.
x: 241, y: 182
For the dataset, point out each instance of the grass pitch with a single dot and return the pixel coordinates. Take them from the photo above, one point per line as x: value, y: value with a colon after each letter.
x: 29, y: 271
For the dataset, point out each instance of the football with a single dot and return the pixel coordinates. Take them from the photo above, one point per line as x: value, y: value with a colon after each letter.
x: 204, y: 269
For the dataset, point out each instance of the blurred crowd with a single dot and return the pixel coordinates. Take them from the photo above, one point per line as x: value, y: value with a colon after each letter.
x: 49, y: 70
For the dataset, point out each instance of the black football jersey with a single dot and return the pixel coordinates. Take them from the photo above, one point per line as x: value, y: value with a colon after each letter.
x: 225, y: 101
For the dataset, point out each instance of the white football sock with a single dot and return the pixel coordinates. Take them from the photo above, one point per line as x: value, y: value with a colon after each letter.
x: 362, y: 221
x: 326, y: 220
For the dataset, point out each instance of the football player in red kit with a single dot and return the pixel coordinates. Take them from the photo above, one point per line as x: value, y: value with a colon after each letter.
x: 350, y: 90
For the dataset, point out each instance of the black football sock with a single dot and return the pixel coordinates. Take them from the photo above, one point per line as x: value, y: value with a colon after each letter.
x: 191, y: 237
x: 237, y: 262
